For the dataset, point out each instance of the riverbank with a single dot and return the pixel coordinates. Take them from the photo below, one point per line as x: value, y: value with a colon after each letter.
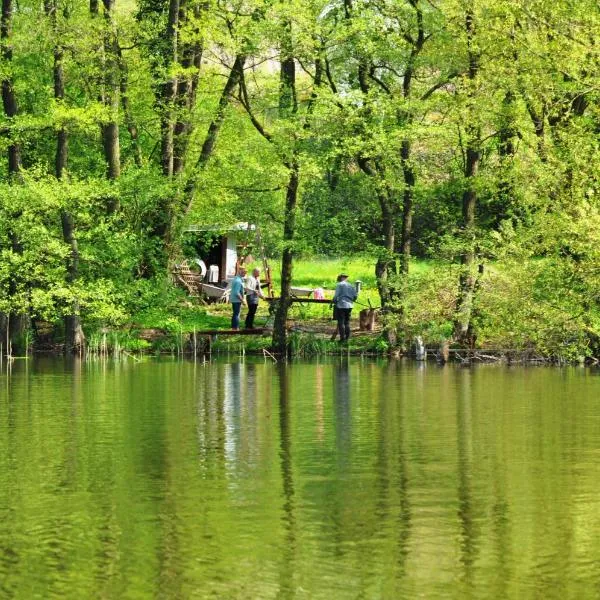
x: 519, y: 313
x: 307, y: 339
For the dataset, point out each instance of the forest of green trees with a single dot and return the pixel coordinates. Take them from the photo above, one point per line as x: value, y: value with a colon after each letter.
x: 466, y: 132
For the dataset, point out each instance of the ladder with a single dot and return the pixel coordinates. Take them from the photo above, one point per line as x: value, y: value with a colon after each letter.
x: 265, y: 263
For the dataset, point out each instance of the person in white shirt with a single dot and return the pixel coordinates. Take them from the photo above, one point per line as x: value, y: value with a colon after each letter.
x: 253, y: 294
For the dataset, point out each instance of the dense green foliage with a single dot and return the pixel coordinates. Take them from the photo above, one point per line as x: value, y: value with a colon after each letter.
x: 464, y: 132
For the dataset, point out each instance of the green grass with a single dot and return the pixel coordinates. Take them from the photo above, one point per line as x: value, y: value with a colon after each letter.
x: 126, y: 7
x: 184, y: 318
x: 323, y: 272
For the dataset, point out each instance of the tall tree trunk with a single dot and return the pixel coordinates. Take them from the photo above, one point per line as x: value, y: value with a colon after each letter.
x: 58, y: 76
x: 539, y: 126
x: 406, y: 118
x: 9, y: 98
x: 168, y: 89
x: 287, y: 260
x: 212, y: 134
x: 288, y: 107
x: 385, y: 267
x: 166, y: 52
x: 14, y: 323
x: 110, y: 96
x: 507, y: 135
x: 74, y: 336
x: 288, y: 102
x: 407, y: 206
x: 171, y: 210
x: 186, y: 97
x: 112, y: 84
x: 129, y: 120
x: 467, y: 280
x: 182, y: 126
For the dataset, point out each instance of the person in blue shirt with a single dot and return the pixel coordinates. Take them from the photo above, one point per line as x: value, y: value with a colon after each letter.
x: 236, y: 297
x: 343, y: 299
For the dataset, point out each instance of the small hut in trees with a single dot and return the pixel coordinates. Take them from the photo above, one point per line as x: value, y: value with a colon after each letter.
x: 215, y: 253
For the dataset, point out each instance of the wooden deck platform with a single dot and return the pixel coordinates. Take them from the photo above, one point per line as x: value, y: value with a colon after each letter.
x: 257, y: 331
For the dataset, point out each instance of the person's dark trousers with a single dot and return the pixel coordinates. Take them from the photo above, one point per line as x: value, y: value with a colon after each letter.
x: 235, y: 317
x: 343, y: 319
x: 249, y: 323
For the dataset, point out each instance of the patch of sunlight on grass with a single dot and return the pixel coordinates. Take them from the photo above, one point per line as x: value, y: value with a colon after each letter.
x: 323, y: 272
x: 126, y: 6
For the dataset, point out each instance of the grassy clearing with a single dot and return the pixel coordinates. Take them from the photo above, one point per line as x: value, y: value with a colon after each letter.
x: 185, y: 315
x: 322, y: 272
x: 182, y: 316
x: 519, y: 306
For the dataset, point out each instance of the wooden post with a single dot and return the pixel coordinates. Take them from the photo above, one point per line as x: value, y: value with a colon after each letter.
x: 444, y: 351
x: 367, y: 318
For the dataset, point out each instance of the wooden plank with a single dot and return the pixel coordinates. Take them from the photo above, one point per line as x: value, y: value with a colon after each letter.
x: 311, y: 300
x: 258, y: 331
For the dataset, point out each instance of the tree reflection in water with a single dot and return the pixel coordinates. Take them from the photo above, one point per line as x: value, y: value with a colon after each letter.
x: 287, y: 584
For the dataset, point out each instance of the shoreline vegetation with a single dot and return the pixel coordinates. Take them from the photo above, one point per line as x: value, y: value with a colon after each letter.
x: 176, y: 328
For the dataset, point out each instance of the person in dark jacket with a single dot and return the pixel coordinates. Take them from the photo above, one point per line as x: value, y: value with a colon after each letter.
x: 343, y: 300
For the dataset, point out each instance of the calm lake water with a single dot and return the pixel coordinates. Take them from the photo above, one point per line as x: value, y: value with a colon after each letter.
x: 337, y: 479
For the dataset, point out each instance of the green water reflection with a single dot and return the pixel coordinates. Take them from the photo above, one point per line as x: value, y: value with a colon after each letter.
x: 342, y: 479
